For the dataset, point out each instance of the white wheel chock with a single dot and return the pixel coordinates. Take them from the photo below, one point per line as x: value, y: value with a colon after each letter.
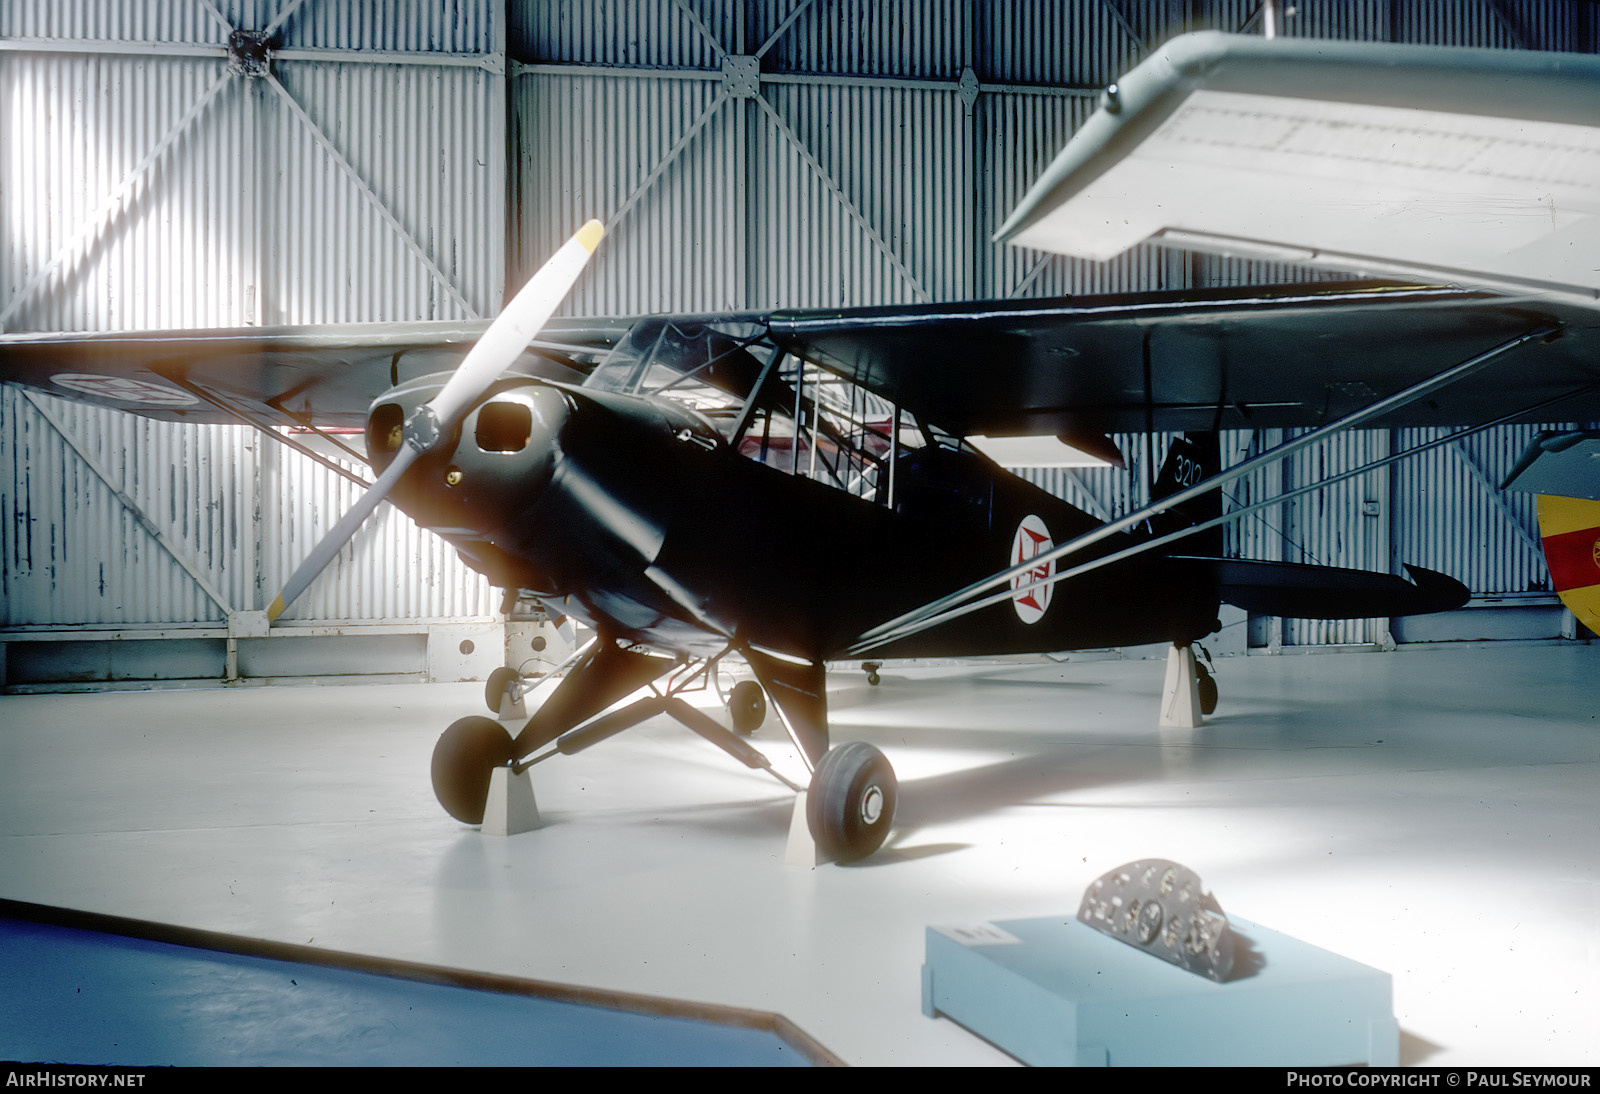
x: 511, y: 808
x: 1180, y: 697
x: 512, y: 710
x: 802, y: 847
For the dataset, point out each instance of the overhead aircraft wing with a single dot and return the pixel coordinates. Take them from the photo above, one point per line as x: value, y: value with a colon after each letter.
x: 1471, y: 166
x: 323, y: 375
x: 1256, y: 358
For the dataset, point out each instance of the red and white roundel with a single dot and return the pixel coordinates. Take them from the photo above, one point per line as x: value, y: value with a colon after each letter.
x: 1032, y: 540
x: 124, y: 389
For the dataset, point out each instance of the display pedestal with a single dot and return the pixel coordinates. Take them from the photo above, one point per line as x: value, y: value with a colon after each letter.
x: 511, y: 807
x: 801, y: 849
x: 1053, y: 991
x: 1180, y: 695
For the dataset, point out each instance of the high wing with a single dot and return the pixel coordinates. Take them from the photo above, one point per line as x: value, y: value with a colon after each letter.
x: 1231, y: 359
x: 1252, y: 359
x: 326, y: 376
x: 1462, y: 165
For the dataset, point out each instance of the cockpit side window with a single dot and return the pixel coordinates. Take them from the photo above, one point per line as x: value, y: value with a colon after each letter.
x: 803, y: 420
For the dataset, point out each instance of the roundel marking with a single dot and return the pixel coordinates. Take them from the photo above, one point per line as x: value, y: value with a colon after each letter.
x: 124, y: 389
x: 1031, y: 541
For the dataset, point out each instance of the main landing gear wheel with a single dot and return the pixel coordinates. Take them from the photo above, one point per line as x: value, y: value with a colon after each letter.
x: 1208, y: 689
x: 499, y: 687
x: 850, y: 805
x: 465, y: 757
x: 747, y: 707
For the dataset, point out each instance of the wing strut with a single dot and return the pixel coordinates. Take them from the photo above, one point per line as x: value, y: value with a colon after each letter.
x: 266, y: 430
x: 961, y: 603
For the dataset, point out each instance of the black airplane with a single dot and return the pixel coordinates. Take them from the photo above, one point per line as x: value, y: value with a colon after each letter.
x: 795, y: 488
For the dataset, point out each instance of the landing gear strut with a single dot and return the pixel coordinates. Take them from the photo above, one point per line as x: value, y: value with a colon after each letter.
x: 849, y: 805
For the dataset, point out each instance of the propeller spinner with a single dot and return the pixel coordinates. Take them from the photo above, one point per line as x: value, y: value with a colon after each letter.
x: 500, y: 345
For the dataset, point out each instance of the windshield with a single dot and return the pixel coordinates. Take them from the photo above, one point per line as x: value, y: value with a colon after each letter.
x: 770, y: 406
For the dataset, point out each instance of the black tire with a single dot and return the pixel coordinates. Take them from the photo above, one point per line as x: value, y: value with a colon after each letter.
x: 465, y: 757
x: 747, y: 707
x: 500, y: 681
x: 850, y: 805
x: 1208, y: 691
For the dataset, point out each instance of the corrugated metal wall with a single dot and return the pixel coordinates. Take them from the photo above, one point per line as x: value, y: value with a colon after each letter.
x: 750, y: 153
x: 145, y: 184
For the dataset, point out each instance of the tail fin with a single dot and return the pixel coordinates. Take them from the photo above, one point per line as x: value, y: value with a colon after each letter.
x: 1191, y: 458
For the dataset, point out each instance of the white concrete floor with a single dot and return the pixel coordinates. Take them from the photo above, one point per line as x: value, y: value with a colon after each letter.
x: 1430, y: 813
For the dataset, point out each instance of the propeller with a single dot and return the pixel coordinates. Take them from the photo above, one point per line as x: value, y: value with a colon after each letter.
x: 500, y: 345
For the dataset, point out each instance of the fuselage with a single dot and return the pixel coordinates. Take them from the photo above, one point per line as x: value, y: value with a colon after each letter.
x: 635, y: 515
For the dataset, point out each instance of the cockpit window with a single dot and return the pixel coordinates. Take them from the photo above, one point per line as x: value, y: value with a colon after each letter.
x: 504, y: 427
x: 804, y: 420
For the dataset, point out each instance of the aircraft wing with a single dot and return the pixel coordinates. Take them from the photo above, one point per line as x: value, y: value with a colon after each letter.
x: 323, y: 375
x: 1234, y: 359
x: 1474, y: 166
x: 1257, y: 358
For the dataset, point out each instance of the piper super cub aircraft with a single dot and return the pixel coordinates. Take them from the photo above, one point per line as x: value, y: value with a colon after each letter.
x: 793, y: 488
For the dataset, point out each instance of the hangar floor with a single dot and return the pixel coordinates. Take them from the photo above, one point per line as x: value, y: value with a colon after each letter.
x: 1431, y: 813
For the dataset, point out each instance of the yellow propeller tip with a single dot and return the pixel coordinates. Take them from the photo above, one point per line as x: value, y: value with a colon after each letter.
x: 276, y: 610
x: 589, y: 235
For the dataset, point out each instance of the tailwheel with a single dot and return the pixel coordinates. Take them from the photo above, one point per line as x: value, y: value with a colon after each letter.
x: 465, y: 757
x: 871, y: 669
x: 504, y: 683
x: 747, y: 707
x: 850, y: 805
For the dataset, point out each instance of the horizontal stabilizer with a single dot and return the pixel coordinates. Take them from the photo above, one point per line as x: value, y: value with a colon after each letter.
x: 1301, y: 591
x: 1566, y: 464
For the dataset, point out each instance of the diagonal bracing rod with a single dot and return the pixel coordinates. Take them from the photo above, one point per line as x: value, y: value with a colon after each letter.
x: 921, y: 618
